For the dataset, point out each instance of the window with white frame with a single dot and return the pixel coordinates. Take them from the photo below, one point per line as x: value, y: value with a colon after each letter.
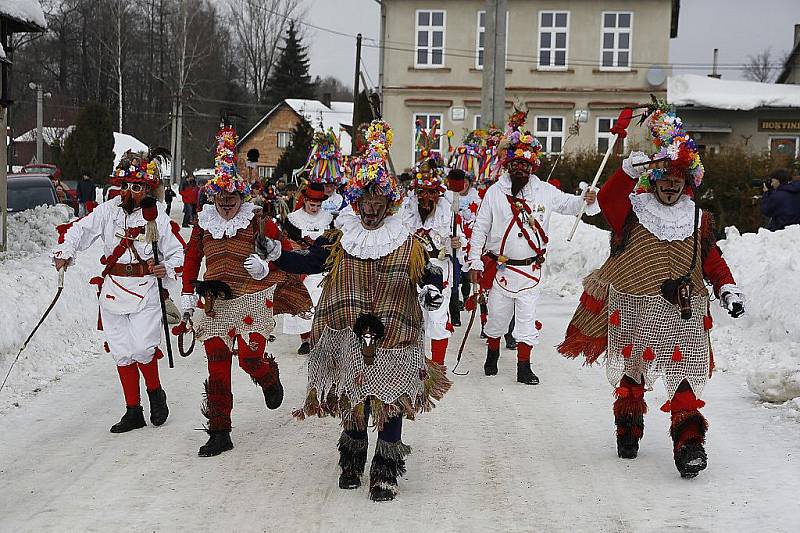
x: 616, y: 40
x: 480, y: 39
x: 553, y: 30
x: 604, y: 135
x: 477, y: 124
x: 284, y: 138
x: 427, y: 121
x: 550, y: 133
x: 429, y: 49
x: 265, y: 172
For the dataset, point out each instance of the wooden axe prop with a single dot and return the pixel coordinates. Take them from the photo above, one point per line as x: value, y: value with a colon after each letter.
x: 619, y: 129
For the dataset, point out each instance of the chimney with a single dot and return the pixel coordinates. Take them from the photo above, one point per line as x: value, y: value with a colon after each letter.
x: 326, y: 99
x: 714, y: 66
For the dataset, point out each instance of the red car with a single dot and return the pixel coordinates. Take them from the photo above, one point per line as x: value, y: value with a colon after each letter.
x: 67, y: 191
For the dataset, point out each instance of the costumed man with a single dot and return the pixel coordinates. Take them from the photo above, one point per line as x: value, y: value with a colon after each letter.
x: 130, y: 306
x: 465, y: 164
x: 509, y: 242
x: 325, y: 167
x: 302, y: 227
x: 647, y: 307
x: 238, y: 294
x: 368, y: 354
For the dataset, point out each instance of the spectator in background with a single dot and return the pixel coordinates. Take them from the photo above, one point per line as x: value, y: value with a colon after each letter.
x: 190, y: 197
x: 781, y: 200
x: 169, y: 195
x: 289, y: 194
x: 87, y: 193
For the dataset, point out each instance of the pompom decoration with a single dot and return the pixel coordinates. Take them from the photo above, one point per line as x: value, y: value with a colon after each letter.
x: 369, y: 170
x: 673, y: 144
x: 134, y: 168
x: 325, y: 163
x: 516, y: 144
x: 429, y: 169
x: 469, y: 155
x: 226, y: 175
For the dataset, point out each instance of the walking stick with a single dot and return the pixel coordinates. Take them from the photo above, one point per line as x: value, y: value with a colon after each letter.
x: 475, y: 297
x: 618, y: 129
x: 150, y: 213
x: 41, y: 320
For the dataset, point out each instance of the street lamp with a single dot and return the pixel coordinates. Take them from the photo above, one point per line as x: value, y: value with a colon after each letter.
x: 39, y: 119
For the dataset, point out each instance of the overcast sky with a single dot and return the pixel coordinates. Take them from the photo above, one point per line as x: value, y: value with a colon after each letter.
x: 737, y: 27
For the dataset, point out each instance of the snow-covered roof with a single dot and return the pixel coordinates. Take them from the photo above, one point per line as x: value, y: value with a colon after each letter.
x: 702, y: 91
x: 26, y: 12
x: 49, y: 133
x: 319, y: 115
x: 124, y: 142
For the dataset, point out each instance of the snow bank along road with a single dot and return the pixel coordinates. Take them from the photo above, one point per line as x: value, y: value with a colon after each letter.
x: 494, y: 456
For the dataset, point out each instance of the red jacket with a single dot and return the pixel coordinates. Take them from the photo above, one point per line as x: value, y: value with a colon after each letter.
x: 190, y: 194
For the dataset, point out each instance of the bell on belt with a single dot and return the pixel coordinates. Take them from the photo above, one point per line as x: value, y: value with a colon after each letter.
x: 685, y: 300
x: 368, y: 346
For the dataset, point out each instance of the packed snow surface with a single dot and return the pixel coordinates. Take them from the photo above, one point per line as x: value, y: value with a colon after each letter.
x: 702, y: 91
x: 24, y: 10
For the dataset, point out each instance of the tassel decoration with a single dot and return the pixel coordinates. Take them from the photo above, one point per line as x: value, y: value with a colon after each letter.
x: 614, y: 319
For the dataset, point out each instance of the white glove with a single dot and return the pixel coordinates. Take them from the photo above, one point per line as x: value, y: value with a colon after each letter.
x: 256, y: 267
x: 430, y: 298
x: 732, y: 299
x: 634, y: 158
x: 189, y: 303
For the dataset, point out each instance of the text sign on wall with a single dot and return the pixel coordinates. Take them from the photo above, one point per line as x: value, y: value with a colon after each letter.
x: 779, y: 125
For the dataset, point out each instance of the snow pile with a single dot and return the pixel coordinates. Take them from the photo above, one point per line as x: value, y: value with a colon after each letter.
x: 124, y: 142
x: 569, y: 262
x: 702, y: 91
x: 68, y: 336
x: 23, y: 10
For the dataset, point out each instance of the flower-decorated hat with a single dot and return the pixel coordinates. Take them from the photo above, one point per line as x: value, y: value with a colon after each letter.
x: 369, y: 172
x: 516, y: 144
x: 226, y: 174
x: 468, y: 156
x: 325, y: 159
x: 675, y: 148
x: 135, y: 168
x: 429, y: 169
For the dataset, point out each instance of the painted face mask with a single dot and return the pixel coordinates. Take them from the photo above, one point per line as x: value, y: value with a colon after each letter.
x: 227, y: 204
x: 373, y: 210
x: 669, y: 189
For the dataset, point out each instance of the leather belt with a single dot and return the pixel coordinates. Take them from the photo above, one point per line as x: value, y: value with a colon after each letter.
x: 515, y: 262
x: 131, y: 270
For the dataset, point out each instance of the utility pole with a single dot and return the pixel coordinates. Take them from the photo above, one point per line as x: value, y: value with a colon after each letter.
x: 493, y: 88
x: 356, y: 90
x: 172, y: 141
x: 177, y: 162
x: 39, y: 120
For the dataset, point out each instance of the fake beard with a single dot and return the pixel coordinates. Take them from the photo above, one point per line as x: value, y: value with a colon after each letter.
x: 669, y: 196
x: 128, y: 204
x: 517, y: 183
x: 425, y: 208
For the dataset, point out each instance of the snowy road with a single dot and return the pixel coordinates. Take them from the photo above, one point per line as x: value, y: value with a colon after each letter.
x: 494, y: 456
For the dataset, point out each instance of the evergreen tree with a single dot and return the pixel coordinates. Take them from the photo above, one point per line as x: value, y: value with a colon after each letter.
x: 290, y: 77
x: 90, y: 147
x: 296, y: 154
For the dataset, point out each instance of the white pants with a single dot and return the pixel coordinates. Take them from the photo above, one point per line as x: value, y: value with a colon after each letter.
x: 436, y: 321
x: 295, y: 325
x: 502, y: 306
x: 133, y: 338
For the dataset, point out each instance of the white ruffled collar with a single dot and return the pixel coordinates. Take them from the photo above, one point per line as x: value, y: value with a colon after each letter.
x: 366, y: 243
x: 210, y: 220
x: 308, y: 222
x: 667, y: 222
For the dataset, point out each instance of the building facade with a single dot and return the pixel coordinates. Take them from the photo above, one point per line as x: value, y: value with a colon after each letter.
x: 272, y: 134
x: 564, y: 59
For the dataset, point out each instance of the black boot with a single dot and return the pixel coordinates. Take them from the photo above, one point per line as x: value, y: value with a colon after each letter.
x: 525, y: 374
x: 483, y: 334
x: 629, y: 431
x: 688, y: 431
x: 218, y: 442
x: 352, y: 459
x: 304, y: 349
x: 629, y: 411
x: 490, y: 366
x: 691, y: 459
x: 271, y: 385
x: 158, y: 406
x: 511, y: 342
x: 132, y: 419
x: 387, y: 465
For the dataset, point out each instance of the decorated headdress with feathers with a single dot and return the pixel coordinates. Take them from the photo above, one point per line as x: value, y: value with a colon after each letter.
x: 516, y: 144
x: 325, y: 159
x: 429, y: 168
x: 469, y: 155
x: 369, y: 171
x: 135, y: 167
x: 226, y: 174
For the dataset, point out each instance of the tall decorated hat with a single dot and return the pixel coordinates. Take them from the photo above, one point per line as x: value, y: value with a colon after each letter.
x: 226, y: 174
x: 518, y: 144
x: 325, y: 159
x: 674, y: 148
x: 369, y: 171
x: 135, y: 168
x: 429, y: 168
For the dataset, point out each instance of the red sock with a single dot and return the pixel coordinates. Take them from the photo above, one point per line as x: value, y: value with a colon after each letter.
x: 305, y: 336
x: 438, y: 350
x: 129, y: 377
x: 523, y: 352
x: 493, y: 343
x: 150, y: 373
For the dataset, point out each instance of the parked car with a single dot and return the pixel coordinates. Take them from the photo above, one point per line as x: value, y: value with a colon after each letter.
x: 66, y: 190
x: 26, y: 191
